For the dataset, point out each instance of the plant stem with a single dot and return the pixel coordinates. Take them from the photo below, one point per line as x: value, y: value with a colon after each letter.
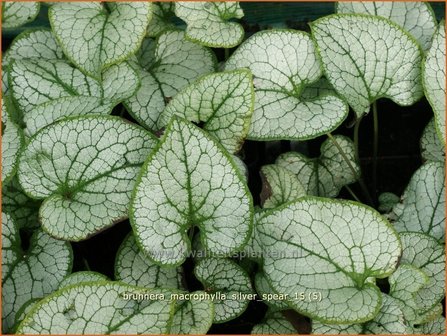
x: 354, y: 196
x: 356, y: 139
x: 359, y: 177
x: 375, y: 147
x: 227, y: 53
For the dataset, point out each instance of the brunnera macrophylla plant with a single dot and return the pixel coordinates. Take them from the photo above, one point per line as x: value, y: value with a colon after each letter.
x: 140, y: 111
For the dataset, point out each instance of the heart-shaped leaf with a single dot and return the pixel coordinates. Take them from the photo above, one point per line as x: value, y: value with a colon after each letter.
x: 417, y: 18
x: 101, y: 308
x: 95, y: 36
x: 134, y: 268
x: 280, y: 75
x: 20, y: 206
x: 331, y: 248
x: 208, y: 22
x: 279, y: 186
x: 326, y: 175
x: 222, y: 101
x: 18, y: 13
x: 84, y: 168
x: 352, y: 48
x: 405, y: 282
x: 389, y: 320
x: 229, y: 282
x: 82, y: 277
x: 166, y: 64
x: 422, y: 206
x: 433, y: 79
x: 274, y: 323
x: 189, y: 180
x: 47, y: 91
x: 29, y: 274
x: 162, y: 14
x: 425, y: 253
x: 432, y: 149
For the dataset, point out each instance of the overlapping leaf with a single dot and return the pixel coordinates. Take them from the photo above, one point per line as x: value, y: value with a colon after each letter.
x: 188, y: 181
x: 331, y: 248
x: 222, y: 101
x: 162, y: 13
x: 366, y: 58
x: 432, y: 149
x: 208, y: 22
x: 166, y: 65
x: 283, y: 62
x: 417, y: 18
x: 225, y: 277
x: 81, y: 277
x: 433, y: 79
x: 18, y: 13
x: 31, y: 274
x: 134, y: 268
x: 326, y: 175
x: 95, y: 36
x: 422, y: 206
x: 84, y: 168
x: 12, y: 143
x: 274, y: 323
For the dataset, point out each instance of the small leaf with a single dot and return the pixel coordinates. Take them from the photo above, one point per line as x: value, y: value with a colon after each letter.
x: 431, y: 147
x: 208, y: 22
x: 134, y: 268
x: 279, y: 186
x: 326, y: 175
x: 29, y: 274
x: 422, y: 208
x: 331, y: 248
x: 166, y: 65
x: 417, y: 18
x: 387, y: 201
x: 222, y: 101
x: 94, y: 36
x: 20, y: 206
x: 433, y: 79
x: 405, y: 282
x: 229, y: 282
x: 425, y: 253
x: 280, y: 75
x: 274, y: 324
x: 351, y: 48
x: 189, y: 180
x: 17, y: 13
x: 194, y: 316
x: 112, y: 308
x: 84, y: 168
x: 82, y: 277
x: 162, y: 14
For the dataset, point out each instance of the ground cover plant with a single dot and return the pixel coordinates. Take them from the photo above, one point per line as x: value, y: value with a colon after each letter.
x: 168, y: 168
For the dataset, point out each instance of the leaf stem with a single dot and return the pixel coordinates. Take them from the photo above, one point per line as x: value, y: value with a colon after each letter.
x: 353, y: 195
x: 227, y: 53
x: 359, y: 177
x: 356, y: 139
x: 375, y: 147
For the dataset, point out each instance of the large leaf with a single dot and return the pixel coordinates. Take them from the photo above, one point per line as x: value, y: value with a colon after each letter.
x: 331, y: 248
x: 29, y: 274
x: 326, y: 175
x: 208, y: 22
x: 135, y: 268
x: 166, y: 65
x: 432, y: 149
x: 162, y: 14
x: 47, y: 91
x: 189, y: 180
x: 425, y: 253
x: 422, y: 206
x: 101, y: 308
x: 367, y: 57
x: 81, y: 277
x: 279, y: 186
x: 229, y: 282
x: 417, y: 18
x: 17, y: 13
x: 281, y: 73
x: 433, y: 79
x: 95, y: 36
x: 84, y: 168
x: 222, y: 101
